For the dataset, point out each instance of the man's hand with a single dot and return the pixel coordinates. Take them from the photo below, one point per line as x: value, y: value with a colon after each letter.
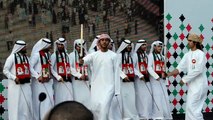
x: 40, y: 79
x: 17, y: 81
x: 164, y: 75
x: 82, y: 77
x: 142, y: 78
x: 61, y: 80
x: 126, y: 79
x: 169, y: 74
x: 181, y: 82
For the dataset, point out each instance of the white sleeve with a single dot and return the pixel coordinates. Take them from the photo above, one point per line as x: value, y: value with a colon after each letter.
x: 135, y: 63
x: 72, y: 66
x: 75, y: 73
x: 88, y: 58
x: 199, y: 69
x: 182, y: 66
x: 117, y: 76
x: 72, y: 60
x: 151, y: 66
x: 32, y: 71
x: 53, y: 66
x: 122, y: 74
x: 8, y: 66
x: 33, y: 61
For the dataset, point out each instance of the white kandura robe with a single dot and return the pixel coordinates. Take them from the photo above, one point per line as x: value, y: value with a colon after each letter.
x: 197, y: 83
x: 81, y: 88
x: 127, y: 95
x: 143, y: 93
x: 38, y: 88
x: 104, y: 82
x: 20, y: 105
x: 160, y: 94
x: 63, y: 91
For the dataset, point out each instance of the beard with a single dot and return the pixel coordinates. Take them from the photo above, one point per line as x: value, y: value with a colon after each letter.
x: 23, y: 51
x: 61, y: 50
x: 46, y: 50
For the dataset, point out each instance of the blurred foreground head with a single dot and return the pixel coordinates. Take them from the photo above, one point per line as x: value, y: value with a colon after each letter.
x: 70, y: 110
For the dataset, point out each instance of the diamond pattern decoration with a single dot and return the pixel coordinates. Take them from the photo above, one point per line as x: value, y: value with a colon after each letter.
x: 175, y: 45
x: 175, y: 55
x: 182, y: 46
x: 174, y: 92
x: 168, y: 64
x: 168, y: 36
x: 169, y: 46
x: 201, y: 28
x: 168, y: 55
x: 174, y: 83
x: 181, y: 55
x: 182, y: 27
x: 175, y: 36
x: 207, y: 101
x: 208, y: 56
x: 175, y: 64
x: 1, y: 88
x: 207, y: 109
x: 168, y: 17
x: 1, y: 110
x: 207, y: 65
x: 207, y: 47
x: 168, y: 26
x: 207, y: 73
x: 182, y: 36
x: 174, y: 102
x: 202, y: 37
x: 181, y: 101
x: 174, y: 111
x: 181, y: 74
x: 182, y: 18
x: 181, y: 92
x: 188, y: 27
x: 2, y: 99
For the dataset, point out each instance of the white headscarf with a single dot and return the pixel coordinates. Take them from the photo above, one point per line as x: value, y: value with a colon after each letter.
x: 123, y: 45
x: 60, y: 41
x: 138, y: 44
x: 155, y: 43
x: 19, y: 44
x: 79, y: 42
x: 94, y: 43
x: 41, y: 44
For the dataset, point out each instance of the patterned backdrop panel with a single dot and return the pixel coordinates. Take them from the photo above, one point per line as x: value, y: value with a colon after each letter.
x: 180, y: 18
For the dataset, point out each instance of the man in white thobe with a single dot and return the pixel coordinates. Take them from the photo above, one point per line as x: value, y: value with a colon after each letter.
x: 142, y: 87
x: 81, y: 88
x: 105, y: 79
x: 127, y: 74
x: 156, y: 69
x: 17, y: 69
x: 194, y: 63
x: 40, y: 60
x: 60, y: 64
